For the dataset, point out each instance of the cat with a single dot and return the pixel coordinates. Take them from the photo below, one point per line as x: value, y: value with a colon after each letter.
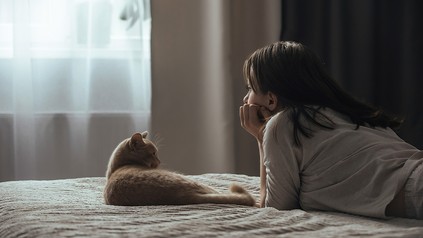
x: 135, y: 179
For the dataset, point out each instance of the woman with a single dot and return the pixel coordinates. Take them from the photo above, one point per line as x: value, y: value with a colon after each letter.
x: 321, y: 149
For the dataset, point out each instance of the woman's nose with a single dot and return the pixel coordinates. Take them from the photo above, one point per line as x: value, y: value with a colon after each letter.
x: 245, y: 99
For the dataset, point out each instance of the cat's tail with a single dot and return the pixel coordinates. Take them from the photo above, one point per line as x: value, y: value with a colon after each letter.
x: 235, y: 188
x: 238, y: 195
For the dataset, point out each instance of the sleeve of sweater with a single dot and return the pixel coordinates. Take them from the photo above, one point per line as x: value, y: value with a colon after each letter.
x: 283, y: 178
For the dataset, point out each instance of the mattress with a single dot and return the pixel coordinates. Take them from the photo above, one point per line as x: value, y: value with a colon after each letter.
x: 75, y: 208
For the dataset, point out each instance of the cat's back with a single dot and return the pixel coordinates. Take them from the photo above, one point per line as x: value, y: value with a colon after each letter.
x: 133, y: 174
x: 149, y: 186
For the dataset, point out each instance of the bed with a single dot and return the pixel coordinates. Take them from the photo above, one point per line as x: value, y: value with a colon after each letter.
x: 75, y: 208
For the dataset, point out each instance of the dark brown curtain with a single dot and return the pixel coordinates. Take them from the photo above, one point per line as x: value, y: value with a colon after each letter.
x: 374, y: 48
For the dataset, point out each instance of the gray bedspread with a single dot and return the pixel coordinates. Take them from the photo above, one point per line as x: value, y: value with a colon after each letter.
x: 75, y: 208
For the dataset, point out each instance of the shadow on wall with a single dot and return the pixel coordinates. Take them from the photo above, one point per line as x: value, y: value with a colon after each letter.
x: 198, y: 49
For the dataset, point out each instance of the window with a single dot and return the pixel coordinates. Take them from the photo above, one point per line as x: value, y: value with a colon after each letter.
x: 75, y: 55
x: 72, y: 28
x: 74, y: 80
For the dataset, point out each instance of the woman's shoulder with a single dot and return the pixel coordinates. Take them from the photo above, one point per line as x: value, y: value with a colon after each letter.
x: 282, y: 125
x: 286, y: 116
x: 278, y: 125
x: 279, y: 117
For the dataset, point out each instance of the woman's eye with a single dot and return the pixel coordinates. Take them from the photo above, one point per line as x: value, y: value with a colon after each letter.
x: 248, y: 88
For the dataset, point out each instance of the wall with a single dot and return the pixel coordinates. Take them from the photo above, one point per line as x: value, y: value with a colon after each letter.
x: 198, y: 48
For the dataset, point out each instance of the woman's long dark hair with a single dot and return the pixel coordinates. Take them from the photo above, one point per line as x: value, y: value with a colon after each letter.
x: 299, y: 79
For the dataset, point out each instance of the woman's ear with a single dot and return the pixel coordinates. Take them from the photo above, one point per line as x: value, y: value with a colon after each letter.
x: 272, y: 101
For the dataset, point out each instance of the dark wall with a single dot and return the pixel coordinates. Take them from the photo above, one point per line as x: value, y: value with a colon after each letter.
x: 374, y: 48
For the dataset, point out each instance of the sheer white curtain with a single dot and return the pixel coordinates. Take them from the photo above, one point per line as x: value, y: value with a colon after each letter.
x: 74, y: 81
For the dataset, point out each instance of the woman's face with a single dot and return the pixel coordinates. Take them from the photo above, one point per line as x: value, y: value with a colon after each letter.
x: 267, y: 100
x: 256, y: 98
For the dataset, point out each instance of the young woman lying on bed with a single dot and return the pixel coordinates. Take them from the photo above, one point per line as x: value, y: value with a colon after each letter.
x: 321, y: 149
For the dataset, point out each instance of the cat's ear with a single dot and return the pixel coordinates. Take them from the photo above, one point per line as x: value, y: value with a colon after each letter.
x: 144, y: 134
x: 137, y: 140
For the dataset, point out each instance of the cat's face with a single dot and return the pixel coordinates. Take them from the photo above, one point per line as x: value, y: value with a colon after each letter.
x: 137, y: 150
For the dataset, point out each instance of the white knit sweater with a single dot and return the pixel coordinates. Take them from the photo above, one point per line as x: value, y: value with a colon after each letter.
x: 350, y: 170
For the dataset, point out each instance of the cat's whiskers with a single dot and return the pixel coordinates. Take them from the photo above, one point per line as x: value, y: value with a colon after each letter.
x: 158, y: 141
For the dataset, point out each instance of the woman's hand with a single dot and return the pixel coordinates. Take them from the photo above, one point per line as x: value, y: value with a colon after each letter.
x: 253, y: 118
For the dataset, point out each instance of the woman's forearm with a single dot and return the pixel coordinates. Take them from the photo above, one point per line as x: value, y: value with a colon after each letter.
x: 262, y: 176
x: 253, y: 119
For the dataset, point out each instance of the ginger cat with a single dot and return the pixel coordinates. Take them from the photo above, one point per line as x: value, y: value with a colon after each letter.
x: 133, y: 178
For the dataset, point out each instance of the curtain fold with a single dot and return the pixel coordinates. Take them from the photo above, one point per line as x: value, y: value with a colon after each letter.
x: 373, y: 48
x: 23, y: 121
x: 76, y: 81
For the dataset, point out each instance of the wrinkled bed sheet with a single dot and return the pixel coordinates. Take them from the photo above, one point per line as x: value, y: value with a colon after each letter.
x: 75, y: 208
